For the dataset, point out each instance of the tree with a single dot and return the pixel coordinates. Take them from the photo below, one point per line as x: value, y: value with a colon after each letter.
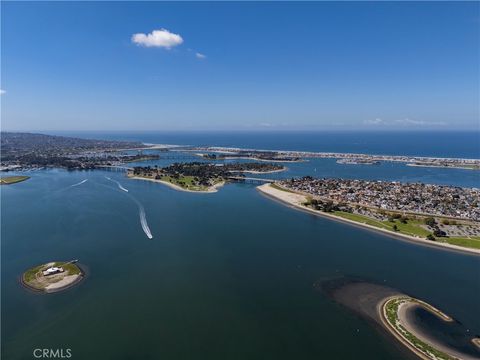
x: 430, y: 237
x: 430, y: 221
x: 395, y: 227
x: 439, y: 233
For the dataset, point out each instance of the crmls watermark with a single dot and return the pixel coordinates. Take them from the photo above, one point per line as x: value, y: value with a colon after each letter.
x: 52, y: 353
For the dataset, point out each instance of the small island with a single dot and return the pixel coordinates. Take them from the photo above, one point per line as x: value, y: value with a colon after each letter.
x: 53, y: 276
x: 394, y: 315
x: 200, y: 177
x: 8, y: 180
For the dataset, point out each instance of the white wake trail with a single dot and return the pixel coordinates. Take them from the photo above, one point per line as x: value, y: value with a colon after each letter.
x: 80, y: 183
x: 143, y: 222
x: 141, y: 210
x: 118, y: 184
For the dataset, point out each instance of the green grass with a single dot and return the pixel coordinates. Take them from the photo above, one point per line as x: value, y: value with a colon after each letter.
x: 412, y: 227
x: 391, y: 310
x: 71, y: 268
x: 363, y: 219
x: 29, y: 275
x: 7, y: 180
x: 187, y: 182
x: 473, y: 242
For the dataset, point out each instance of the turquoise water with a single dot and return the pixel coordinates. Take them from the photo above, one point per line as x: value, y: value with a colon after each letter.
x: 227, y: 275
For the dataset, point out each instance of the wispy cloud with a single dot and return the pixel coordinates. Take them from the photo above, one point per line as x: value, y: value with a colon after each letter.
x: 200, y: 55
x: 413, y: 122
x: 2, y: 91
x: 376, y: 121
x: 402, y: 123
x: 157, y: 38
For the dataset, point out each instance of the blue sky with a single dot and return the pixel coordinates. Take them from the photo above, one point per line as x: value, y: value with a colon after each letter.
x: 240, y: 66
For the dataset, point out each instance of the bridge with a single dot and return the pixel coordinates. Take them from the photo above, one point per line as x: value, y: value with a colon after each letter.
x: 114, y: 167
x: 251, y: 180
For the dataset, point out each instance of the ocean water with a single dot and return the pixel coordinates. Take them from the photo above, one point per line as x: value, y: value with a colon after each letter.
x: 427, y: 143
x: 227, y: 275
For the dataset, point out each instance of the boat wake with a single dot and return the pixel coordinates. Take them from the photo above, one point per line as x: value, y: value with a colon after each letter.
x: 143, y: 221
x: 118, y: 184
x: 141, y: 209
x: 143, y: 217
x: 80, y: 183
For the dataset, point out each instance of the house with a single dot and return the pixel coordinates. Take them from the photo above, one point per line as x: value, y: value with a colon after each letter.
x: 52, y: 270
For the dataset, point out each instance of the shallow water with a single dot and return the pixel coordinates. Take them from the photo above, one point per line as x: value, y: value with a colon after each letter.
x: 451, y: 334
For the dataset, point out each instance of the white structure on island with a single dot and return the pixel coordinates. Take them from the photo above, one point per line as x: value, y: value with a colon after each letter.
x: 52, y: 270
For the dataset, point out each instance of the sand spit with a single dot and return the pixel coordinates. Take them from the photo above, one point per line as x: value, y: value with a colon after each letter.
x: 368, y: 301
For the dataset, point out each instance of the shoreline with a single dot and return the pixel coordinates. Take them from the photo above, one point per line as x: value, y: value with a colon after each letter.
x: 248, y: 158
x: 441, y: 166
x: 295, y: 200
x: 78, y: 278
x: 401, y: 315
x: 326, y: 154
x: 211, y: 189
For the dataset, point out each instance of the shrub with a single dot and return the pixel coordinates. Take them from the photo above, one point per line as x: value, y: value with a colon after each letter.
x: 430, y: 221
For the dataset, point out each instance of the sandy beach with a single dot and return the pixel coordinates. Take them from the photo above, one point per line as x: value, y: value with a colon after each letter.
x: 66, y: 282
x: 404, y: 311
x: 211, y: 189
x: 296, y: 200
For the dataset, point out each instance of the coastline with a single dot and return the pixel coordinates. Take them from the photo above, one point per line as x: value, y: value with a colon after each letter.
x: 410, y: 304
x: 211, y: 189
x: 339, y: 155
x: 253, y: 158
x: 441, y: 166
x: 59, y: 286
x: 295, y: 200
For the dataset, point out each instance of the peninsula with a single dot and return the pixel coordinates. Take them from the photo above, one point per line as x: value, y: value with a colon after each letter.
x: 397, y: 314
x: 348, y: 158
x: 394, y: 314
x: 271, y: 156
x: 431, y: 214
x: 52, y: 276
x: 200, y: 177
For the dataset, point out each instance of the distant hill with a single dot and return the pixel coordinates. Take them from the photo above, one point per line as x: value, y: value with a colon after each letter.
x: 25, y: 150
x: 17, y: 144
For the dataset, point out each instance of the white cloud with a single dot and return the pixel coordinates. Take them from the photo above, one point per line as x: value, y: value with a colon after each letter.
x: 402, y: 123
x: 2, y: 91
x: 265, y: 124
x: 200, y: 55
x: 413, y: 122
x: 376, y: 121
x: 157, y: 38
